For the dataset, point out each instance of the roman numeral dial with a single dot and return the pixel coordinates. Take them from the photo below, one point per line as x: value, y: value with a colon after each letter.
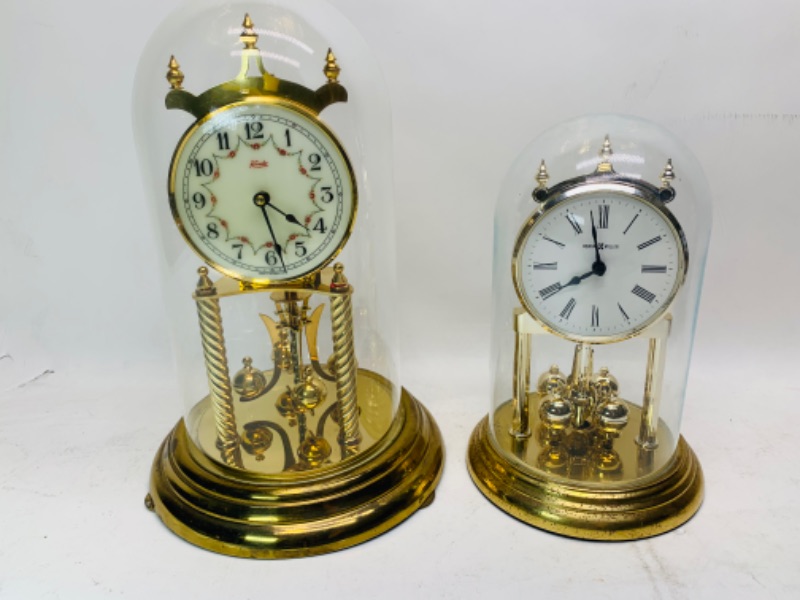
x: 599, y: 265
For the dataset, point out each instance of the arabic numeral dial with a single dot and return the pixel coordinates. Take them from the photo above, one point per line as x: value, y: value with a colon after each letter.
x: 262, y: 192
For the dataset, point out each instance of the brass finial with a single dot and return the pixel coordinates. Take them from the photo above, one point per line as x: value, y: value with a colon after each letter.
x: 205, y: 287
x: 667, y: 192
x: 249, y: 36
x: 605, y: 157
x: 331, y: 69
x: 339, y: 282
x: 668, y: 174
x: 542, y: 176
x: 540, y: 192
x: 175, y: 75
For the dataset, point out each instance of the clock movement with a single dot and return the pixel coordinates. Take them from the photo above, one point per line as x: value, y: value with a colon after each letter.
x: 602, y: 229
x: 297, y: 437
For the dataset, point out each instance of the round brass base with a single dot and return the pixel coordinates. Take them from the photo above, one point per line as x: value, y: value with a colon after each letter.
x: 254, y: 515
x: 639, y: 510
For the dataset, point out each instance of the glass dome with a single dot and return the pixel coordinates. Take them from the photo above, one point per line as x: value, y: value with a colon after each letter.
x: 601, y: 235
x: 291, y: 41
x: 263, y: 133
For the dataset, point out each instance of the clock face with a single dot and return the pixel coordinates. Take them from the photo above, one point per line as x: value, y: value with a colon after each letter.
x: 262, y: 191
x: 599, y: 266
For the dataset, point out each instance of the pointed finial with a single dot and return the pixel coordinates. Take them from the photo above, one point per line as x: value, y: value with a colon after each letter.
x: 175, y: 75
x: 540, y: 193
x: 339, y: 282
x: 249, y: 36
x: 331, y: 69
x: 542, y: 176
x: 605, y: 157
x: 667, y: 192
x: 668, y: 174
x: 205, y: 287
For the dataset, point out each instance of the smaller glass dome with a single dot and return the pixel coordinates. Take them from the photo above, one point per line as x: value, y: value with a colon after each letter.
x: 601, y: 234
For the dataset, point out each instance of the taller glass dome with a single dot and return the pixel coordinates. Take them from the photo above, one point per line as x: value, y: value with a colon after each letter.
x: 264, y: 138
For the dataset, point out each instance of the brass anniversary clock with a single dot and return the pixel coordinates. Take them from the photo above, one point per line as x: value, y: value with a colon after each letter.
x: 600, y: 298
x: 297, y: 439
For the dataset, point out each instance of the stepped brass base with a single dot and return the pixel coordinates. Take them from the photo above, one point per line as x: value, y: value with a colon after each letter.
x: 638, y: 510
x: 254, y: 515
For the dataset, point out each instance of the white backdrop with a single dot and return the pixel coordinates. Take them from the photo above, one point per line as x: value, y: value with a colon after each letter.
x: 85, y: 365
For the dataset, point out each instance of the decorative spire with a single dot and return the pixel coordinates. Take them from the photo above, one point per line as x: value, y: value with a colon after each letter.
x: 175, y: 75
x: 331, y: 69
x: 205, y: 287
x: 667, y: 192
x: 605, y: 157
x: 668, y: 174
x: 542, y: 176
x: 249, y: 36
x: 339, y: 282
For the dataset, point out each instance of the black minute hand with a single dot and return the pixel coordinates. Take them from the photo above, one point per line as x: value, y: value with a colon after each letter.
x: 261, y: 199
x: 598, y: 267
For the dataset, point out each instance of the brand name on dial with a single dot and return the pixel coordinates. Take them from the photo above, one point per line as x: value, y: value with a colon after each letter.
x: 602, y: 246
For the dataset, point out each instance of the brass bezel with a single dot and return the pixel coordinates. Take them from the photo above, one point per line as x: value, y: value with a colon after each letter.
x: 592, y: 184
x: 307, y: 114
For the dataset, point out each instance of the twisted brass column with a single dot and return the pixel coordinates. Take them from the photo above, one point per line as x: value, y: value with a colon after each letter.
x: 344, y: 361
x: 219, y: 381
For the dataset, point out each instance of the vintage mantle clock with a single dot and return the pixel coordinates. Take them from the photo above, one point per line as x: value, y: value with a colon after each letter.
x: 297, y: 438
x: 602, y: 230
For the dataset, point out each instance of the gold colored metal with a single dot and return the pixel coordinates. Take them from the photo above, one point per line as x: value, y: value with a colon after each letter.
x: 292, y: 403
x: 634, y: 510
x: 331, y: 69
x: 580, y: 396
x: 249, y: 37
x: 249, y: 382
x: 520, y: 424
x: 175, y: 75
x: 542, y: 176
x: 312, y: 331
x: 246, y: 87
x: 301, y: 513
x: 572, y: 419
x: 605, y: 158
x: 344, y: 360
x: 216, y: 359
x: 668, y: 174
x: 654, y: 380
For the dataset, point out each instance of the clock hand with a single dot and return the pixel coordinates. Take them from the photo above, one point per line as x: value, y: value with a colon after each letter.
x: 289, y: 217
x: 598, y: 267
x: 261, y: 199
x: 574, y: 281
x: 577, y: 279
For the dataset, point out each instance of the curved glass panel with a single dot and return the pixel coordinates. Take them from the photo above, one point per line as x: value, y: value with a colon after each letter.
x: 601, y: 234
x: 265, y: 147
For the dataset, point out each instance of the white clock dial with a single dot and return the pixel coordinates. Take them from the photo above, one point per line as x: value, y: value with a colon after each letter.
x: 599, y: 266
x: 263, y: 192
